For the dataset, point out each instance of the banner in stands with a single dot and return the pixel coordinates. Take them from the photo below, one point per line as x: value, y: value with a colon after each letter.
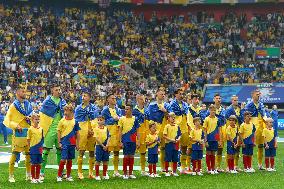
x: 270, y: 92
x: 240, y: 70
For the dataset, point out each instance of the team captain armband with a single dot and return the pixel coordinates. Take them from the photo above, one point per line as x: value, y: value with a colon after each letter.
x: 24, y: 133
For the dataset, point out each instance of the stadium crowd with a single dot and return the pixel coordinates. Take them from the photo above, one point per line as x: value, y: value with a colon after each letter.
x: 39, y: 46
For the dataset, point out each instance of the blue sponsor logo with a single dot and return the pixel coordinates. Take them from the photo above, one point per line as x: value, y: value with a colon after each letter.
x: 281, y: 124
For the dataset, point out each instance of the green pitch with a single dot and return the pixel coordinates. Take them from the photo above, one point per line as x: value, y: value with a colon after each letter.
x: 258, y: 180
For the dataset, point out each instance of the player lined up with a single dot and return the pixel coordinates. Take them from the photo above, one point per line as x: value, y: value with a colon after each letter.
x: 167, y: 128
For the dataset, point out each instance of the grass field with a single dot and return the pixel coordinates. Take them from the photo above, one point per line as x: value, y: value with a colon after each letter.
x: 259, y: 180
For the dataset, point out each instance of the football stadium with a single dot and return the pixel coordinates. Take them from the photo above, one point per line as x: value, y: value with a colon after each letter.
x: 141, y: 94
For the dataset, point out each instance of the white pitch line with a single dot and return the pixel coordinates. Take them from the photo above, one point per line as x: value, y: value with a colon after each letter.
x: 5, y: 157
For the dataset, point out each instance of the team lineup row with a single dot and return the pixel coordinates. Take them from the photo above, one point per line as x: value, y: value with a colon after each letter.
x: 168, y: 127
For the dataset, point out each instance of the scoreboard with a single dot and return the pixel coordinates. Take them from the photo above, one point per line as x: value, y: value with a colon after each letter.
x: 267, y: 53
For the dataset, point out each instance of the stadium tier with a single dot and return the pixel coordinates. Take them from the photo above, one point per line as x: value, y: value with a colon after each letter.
x: 88, y: 48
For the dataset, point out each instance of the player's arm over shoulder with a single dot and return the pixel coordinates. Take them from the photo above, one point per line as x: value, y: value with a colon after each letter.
x: 264, y: 132
x: 241, y: 130
x: 205, y: 123
x: 60, y: 124
x: 121, y: 122
x: 29, y: 134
